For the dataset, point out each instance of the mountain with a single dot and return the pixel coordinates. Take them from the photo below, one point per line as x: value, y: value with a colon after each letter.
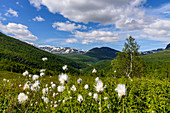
x: 95, y: 55
x: 17, y: 56
x: 168, y: 46
x: 151, y: 51
x: 103, y: 53
x: 58, y: 50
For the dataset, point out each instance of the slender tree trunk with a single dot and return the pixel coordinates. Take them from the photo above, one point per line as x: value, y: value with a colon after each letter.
x: 131, y: 65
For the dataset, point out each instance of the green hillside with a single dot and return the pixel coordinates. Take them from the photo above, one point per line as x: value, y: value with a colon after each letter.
x: 159, y: 58
x: 17, y: 56
x: 103, y: 53
x: 95, y: 55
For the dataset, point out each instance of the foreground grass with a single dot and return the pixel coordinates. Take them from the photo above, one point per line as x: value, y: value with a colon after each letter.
x: 142, y: 95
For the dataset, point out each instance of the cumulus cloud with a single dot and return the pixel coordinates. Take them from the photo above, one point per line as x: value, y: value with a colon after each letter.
x: 38, y: 18
x: 100, y: 11
x: 105, y: 36
x: 18, y: 30
x: 11, y: 12
x: 159, y: 30
x: 71, y: 40
x: 67, y: 26
x: 36, y: 3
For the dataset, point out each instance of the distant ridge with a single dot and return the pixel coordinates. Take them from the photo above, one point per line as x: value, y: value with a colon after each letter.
x: 58, y: 50
x: 103, y: 53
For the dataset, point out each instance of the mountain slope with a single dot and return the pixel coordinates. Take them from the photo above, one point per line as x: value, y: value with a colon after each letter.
x: 20, y: 52
x: 103, y: 53
x: 168, y: 46
x: 95, y: 55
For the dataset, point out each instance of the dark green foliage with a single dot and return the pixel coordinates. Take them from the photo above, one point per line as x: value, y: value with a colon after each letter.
x: 103, y: 53
x: 28, y: 56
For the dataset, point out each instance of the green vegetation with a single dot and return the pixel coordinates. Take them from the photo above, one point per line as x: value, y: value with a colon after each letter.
x: 95, y: 55
x: 128, y: 62
x: 148, y: 92
x: 142, y: 95
x: 18, y: 56
x: 158, y: 64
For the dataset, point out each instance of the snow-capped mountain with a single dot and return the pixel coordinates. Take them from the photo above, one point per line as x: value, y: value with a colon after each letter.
x: 151, y: 51
x: 58, y: 50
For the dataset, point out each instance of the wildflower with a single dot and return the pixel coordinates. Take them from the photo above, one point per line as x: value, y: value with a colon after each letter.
x: 65, y: 67
x: 35, y: 77
x: 105, y: 98
x: 35, y: 87
x: 63, y: 78
x: 114, y: 71
x: 53, y: 94
x: 55, y: 102
x: 53, y: 86
x: 61, y: 88
x: 42, y: 70
x: 42, y: 74
x: 25, y: 73
x: 121, y: 89
x: 51, y: 82
x: 46, y: 85
x: 86, y: 86
x: 90, y: 94
x: 45, y: 91
x: 80, y: 98
x: 94, y: 71
x: 45, y: 59
x: 37, y: 82
x: 79, y: 80
x: 73, y: 88
x: 28, y: 93
x: 95, y: 96
x: 4, y: 80
x: 22, y: 98
x: 97, y: 78
x: 30, y: 75
x: 7, y: 80
x: 99, y: 86
x: 20, y: 85
x: 55, y: 105
x: 46, y: 100
x: 27, y: 85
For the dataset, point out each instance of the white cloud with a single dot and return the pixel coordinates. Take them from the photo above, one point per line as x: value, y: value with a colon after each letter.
x: 67, y: 26
x: 87, y: 41
x: 18, y: 30
x: 2, y: 18
x: 71, y: 40
x: 101, y: 11
x: 158, y: 28
x: 36, y: 3
x: 38, y: 18
x: 104, y: 36
x: 11, y: 12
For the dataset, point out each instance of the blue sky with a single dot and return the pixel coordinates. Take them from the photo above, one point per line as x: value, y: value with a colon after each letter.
x: 85, y: 24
